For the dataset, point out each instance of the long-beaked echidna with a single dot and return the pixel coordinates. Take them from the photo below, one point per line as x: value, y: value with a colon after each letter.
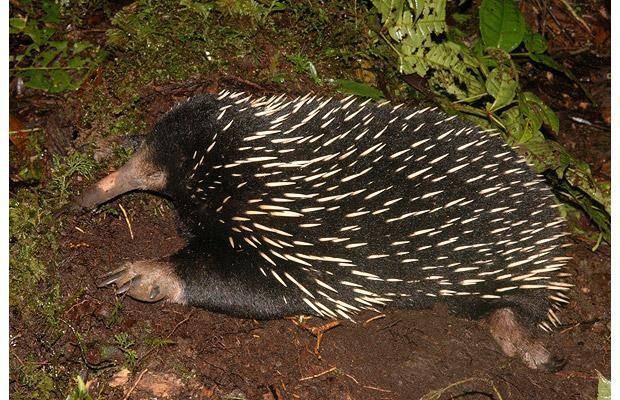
x: 330, y: 206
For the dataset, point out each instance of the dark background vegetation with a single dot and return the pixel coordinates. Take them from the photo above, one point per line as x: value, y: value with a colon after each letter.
x: 89, y: 78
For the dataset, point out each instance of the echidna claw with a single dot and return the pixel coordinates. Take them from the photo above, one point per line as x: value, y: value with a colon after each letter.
x: 154, y: 293
x: 148, y: 281
x: 132, y: 282
x: 125, y: 287
x: 112, y: 277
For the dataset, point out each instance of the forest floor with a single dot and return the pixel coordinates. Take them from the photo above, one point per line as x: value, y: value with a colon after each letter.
x: 63, y: 326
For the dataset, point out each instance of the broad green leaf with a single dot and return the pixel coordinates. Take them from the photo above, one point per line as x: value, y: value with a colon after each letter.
x: 52, y: 12
x: 502, y: 85
x: 604, y: 388
x: 16, y: 25
x: 513, y: 122
x: 59, y: 80
x: 535, y: 43
x: 501, y: 24
x: 533, y: 107
x: 35, y: 79
x: 78, y: 62
x: 546, y: 59
x: 358, y: 89
x: 45, y: 58
x: 79, y: 47
x: 38, y: 35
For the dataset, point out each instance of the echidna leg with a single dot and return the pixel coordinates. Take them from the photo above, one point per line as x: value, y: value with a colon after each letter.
x: 198, y: 277
x: 149, y: 281
x: 515, y: 340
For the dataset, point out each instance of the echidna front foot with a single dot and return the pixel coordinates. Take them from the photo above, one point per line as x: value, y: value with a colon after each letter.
x: 515, y: 340
x: 148, y: 281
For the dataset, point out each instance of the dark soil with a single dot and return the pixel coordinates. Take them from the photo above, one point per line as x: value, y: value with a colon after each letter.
x: 402, y: 355
x: 182, y: 352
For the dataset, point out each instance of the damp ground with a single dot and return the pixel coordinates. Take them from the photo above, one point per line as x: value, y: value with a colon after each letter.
x: 62, y: 326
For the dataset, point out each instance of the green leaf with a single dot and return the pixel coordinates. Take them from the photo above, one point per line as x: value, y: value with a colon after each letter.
x: 17, y: 25
x: 79, y: 47
x: 38, y: 35
x: 535, y: 43
x: 358, y: 89
x: 202, y: 9
x: 45, y: 58
x: 514, y: 124
x: 534, y: 108
x: 77, y: 62
x: 546, y: 59
x: 52, y: 12
x: 449, y: 57
x: 502, y: 85
x: 501, y: 24
x: 604, y: 388
x: 60, y: 81
x: 35, y: 79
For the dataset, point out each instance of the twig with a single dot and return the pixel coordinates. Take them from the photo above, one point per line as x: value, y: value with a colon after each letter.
x: 352, y: 378
x: 577, y: 17
x: 135, y: 384
x: 127, y: 220
x: 377, y: 389
x: 318, y: 331
x: 25, y: 130
x: 554, y: 18
x: 376, y: 317
x: 332, y: 369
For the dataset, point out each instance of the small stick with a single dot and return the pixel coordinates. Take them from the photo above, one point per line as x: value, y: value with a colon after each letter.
x: 574, y: 14
x: 79, y: 229
x: 319, y: 374
x: 127, y: 220
x: 376, y: 317
x: 377, y: 388
x: 318, y: 331
x: 352, y: 378
x: 135, y: 384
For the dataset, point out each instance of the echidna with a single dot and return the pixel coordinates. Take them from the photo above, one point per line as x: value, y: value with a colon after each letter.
x: 331, y: 206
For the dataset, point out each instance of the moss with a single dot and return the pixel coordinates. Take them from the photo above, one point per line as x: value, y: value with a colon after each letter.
x: 29, y: 219
x: 37, y: 381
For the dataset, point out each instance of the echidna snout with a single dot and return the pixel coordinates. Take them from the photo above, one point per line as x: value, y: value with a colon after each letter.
x: 139, y: 173
x: 332, y: 206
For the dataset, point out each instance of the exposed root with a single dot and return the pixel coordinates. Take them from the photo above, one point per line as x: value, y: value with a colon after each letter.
x: 317, y: 331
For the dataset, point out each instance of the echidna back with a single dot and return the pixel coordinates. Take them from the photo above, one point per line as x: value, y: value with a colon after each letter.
x: 352, y: 205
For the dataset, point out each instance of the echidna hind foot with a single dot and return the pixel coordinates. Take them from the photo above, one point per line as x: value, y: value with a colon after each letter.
x: 515, y: 340
x: 148, y: 281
